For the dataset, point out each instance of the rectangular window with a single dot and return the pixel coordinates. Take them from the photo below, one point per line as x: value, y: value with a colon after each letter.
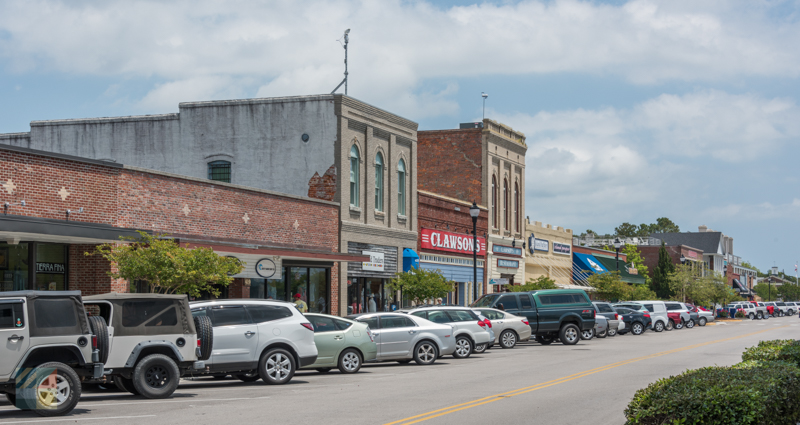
x: 525, y: 301
x: 11, y: 316
x: 14, y: 270
x: 51, y: 267
x: 149, y: 313
x: 379, y: 187
x: 268, y: 313
x: 219, y: 171
x: 354, y: 181
x: 401, y: 193
x: 323, y: 324
x: 229, y: 316
x: 509, y: 302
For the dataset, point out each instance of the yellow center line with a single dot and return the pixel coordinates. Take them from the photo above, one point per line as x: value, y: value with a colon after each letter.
x: 485, y: 400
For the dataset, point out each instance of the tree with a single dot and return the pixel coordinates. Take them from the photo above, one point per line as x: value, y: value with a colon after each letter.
x: 419, y: 285
x: 609, y: 286
x: 167, y: 267
x: 660, y: 282
x: 665, y: 225
x: 635, y: 257
x: 721, y: 293
x: 766, y: 291
x: 626, y: 230
x: 639, y: 292
x: 541, y: 282
x: 790, y: 292
x: 687, y: 284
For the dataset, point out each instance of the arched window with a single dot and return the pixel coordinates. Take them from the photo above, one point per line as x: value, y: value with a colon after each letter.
x: 354, y: 176
x: 379, y: 182
x: 505, y: 204
x: 516, y: 206
x: 401, y: 187
x: 219, y: 171
x: 494, y: 202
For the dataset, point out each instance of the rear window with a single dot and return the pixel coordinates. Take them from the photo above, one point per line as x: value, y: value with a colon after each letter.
x: 342, y: 325
x: 672, y: 307
x: 149, y: 313
x: 562, y: 299
x: 268, y: 313
x: 372, y: 322
x: 58, y: 313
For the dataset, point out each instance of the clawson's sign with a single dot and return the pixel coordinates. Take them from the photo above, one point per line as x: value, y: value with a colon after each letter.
x: 450, y: 242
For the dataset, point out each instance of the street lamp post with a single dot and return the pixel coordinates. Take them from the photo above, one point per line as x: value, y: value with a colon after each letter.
x: 617, y: 245
x: 474, y: 212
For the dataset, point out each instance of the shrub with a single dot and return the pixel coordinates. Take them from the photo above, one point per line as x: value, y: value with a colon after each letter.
x: 752, y: 392
x: 723, y: 313
x: 787, y: 350
x: 739, y: 314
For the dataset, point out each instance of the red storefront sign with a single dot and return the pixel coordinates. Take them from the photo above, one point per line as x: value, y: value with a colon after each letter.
x: 450, y: 242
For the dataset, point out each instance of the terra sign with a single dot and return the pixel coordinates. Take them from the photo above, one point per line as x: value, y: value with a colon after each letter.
x: 375, y: 263
x: 451, y: 242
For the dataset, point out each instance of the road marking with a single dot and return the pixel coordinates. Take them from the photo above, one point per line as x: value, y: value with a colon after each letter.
x: 490, y: 399
x: 77, y: 419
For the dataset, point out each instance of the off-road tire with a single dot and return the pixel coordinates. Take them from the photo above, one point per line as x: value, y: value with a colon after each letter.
x: 569, y: 334
x: 99, y: 329
x: 637, y: 328
x: 350, y: 361
x: 702, y: 321
x: 205, y: 333
x: 126, y: 385
x: 480, y: 348
x: 508, y: 339
x: 545, y: 339
x: 33, y: 394
x: 251, y: 376
x: 426, y: 353
x: 659, y: 326
x: 587, y: 335
x: 156, y: 376
x: 277, y: 366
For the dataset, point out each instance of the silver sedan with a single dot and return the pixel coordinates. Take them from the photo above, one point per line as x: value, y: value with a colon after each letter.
x: 402, y: 337
x: 508, y: 328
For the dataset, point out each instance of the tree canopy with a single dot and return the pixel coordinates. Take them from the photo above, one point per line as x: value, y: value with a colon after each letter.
x: 661, y: 274
x: 610, y: 287
x: 541, y: 282
x: 419, y: 285
x: 662, y: 225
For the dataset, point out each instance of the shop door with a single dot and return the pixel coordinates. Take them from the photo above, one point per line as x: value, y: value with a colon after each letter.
x: 396, y: 335
x: 235, y: 337
x: 13, y: 335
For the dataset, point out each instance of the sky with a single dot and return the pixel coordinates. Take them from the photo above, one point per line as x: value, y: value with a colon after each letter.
x: 633, y: 110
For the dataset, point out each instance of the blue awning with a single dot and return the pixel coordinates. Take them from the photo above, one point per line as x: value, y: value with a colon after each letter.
x: 585, y: 265
x: 410, y: 259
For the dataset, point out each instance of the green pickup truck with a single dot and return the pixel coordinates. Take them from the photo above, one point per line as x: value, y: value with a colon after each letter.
x: 552, y: 313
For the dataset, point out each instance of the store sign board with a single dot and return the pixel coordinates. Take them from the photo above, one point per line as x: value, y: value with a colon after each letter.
x: 507, y: 250
x: 692, y: 254
x: 265, y: 268
x: 50, y: 268
x: 511, y: 264
x: 499, y: 281
x: 541, y: 245
x: 451, y: 242
x: 562, y: 248
x: 375, y: 264
x: 257, y: 266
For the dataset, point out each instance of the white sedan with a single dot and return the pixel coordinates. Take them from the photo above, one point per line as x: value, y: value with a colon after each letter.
x: 508, y: 328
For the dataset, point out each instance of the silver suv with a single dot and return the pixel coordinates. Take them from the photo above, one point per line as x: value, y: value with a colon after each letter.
x: 256, y: 339
x: 49, y: 350
x: 469, y: 331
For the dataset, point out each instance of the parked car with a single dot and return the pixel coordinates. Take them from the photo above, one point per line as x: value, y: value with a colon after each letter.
x: 781, y: 309
x: 403, y: 337
x: 748, y: 309
x: 635, y: 306
x: 152, y: 340
x: 469, y: 330
x: 676, y: 320
x: 762, y: 309
x: 49, y: 343
x: 509, y: 329
x: 489, y: 327
x: 658, y: 312
x: 341, y: 343
x: 793, y: 307
x: 607, y: 310
x: 600, y: 329
x: 635, y: 321
x: 689, y: 318
x: 705, y: 314
x: 552, y: 313
x: 257, y: 339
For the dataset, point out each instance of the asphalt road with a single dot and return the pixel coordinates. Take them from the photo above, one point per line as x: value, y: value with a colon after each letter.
x: 589, y: 382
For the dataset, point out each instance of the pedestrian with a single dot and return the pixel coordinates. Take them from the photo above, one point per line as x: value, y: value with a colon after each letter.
x: 300, y: 304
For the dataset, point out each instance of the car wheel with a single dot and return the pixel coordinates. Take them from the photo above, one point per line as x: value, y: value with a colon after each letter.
x: 603, y: 334
x: 679, y: 325
x: 690, y: 323
x: 659, y: 327
x: 759, y: 316
x: 702, y: 321
x: 569, y: 334
x: 637, y: 328
x: 51, y: 389
x: 251, y: 376
x: 751, y: 316
x: 125, y: 384
x: 99, y: 329
x: 508, y: 339
x: 670, y: 325
x: 480, y: 348
x: 426, y: 353
x: 276, y: 366
x: 463, y: 348
x: 781, y: 314
x: 349, y: 361
x: 612, y: 332
x: 587, y: 335
x: 545, y: 339
x: 156, y: 376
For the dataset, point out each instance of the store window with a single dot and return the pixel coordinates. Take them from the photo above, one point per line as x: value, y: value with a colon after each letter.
x: 51, y: 267
x: 401, y: 187
x: 269, y: 289
x: 14, y: 270
x: 219, y: 171
x: 379, y: 182
x: 369, y: 295
x: 516, y: 207
x: 494, y: 202
x: 505, y: 204
x: 354, y: 160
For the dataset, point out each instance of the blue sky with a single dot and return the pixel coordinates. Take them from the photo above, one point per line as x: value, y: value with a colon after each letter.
x: 633, y: 110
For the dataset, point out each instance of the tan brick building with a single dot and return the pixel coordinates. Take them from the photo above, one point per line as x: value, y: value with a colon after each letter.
x: 549, y: 253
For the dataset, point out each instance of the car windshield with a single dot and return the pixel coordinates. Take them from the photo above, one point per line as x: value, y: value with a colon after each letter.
x: 485, y: 301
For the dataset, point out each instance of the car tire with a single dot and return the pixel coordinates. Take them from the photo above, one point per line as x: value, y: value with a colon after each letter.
x: 659, y: 326
x: 350, y: 361
x: 702, y: 321
x: 569, y: 334
x: 425, y: 353
x: 205, y: 333
x: 126, y: 385
x: 587, y: 335
x: 276, y: 366
x: 545, y: 339
x: 690, y: 324
x: 637, y: 328
x: 759, y: 316
x: 612, y: 332
x: 480, y: 348
x: 751, y: 316
x: 156, y: 376
x: 32, y: 393
x: 508, y: 339
x: 781, y: 314
x: 251, y: 376
x: 603, y: 334
x: 99, y: 329
x: 463, y: 347
x: 679, y: 325
x: 670, y: 325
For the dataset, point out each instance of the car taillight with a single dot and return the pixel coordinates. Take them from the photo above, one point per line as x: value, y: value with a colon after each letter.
x: 525, y: 322
x: 308, y: 326
x: 94, y: 341
x: 369, y: 333
x: 487, y: 322
x: 647, y: 315
x: 481, y: 323
x: 616, y: 316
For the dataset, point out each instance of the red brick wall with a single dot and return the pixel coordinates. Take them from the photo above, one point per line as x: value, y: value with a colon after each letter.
x: 450, y: 163
x: 437, y: 213
x: 650, y: 255
x: 89, y: 274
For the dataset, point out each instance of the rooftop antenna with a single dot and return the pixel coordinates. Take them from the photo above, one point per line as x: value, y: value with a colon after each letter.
x: 346, y: 40
x: 484, y: 96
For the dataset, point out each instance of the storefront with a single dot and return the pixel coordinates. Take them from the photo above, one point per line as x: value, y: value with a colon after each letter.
x: 506, y: 264
x: 33, y: 266
x: 549, y: 254
x: 451, y: 254
x: 367, y: 281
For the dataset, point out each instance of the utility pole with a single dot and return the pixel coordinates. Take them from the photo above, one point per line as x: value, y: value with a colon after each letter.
x: 484, y: 96
x: 346, y: 40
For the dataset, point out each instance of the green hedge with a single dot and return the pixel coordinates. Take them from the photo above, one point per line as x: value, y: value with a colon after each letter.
x: 752, y: 392
x: 780, y: 349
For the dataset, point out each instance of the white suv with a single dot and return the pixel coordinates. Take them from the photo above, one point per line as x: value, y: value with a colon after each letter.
x: 468, y: 329
x: 257, y: 339
x: 750, y: 310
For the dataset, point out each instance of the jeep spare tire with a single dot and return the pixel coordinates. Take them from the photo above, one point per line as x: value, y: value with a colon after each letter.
x: 205, y: 334
x: 99, y: 329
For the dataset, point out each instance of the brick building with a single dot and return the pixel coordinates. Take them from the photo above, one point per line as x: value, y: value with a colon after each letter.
x: 485, y: 163
x: 446, y: 242
x: 73, y: 204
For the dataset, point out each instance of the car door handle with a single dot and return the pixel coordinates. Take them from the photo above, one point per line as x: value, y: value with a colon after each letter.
x: 15, y: 338
x: 337, y: 337
x: 412, y: 332
x: 375, y: 334
x: 249, y: 333
x: 499, y: 322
